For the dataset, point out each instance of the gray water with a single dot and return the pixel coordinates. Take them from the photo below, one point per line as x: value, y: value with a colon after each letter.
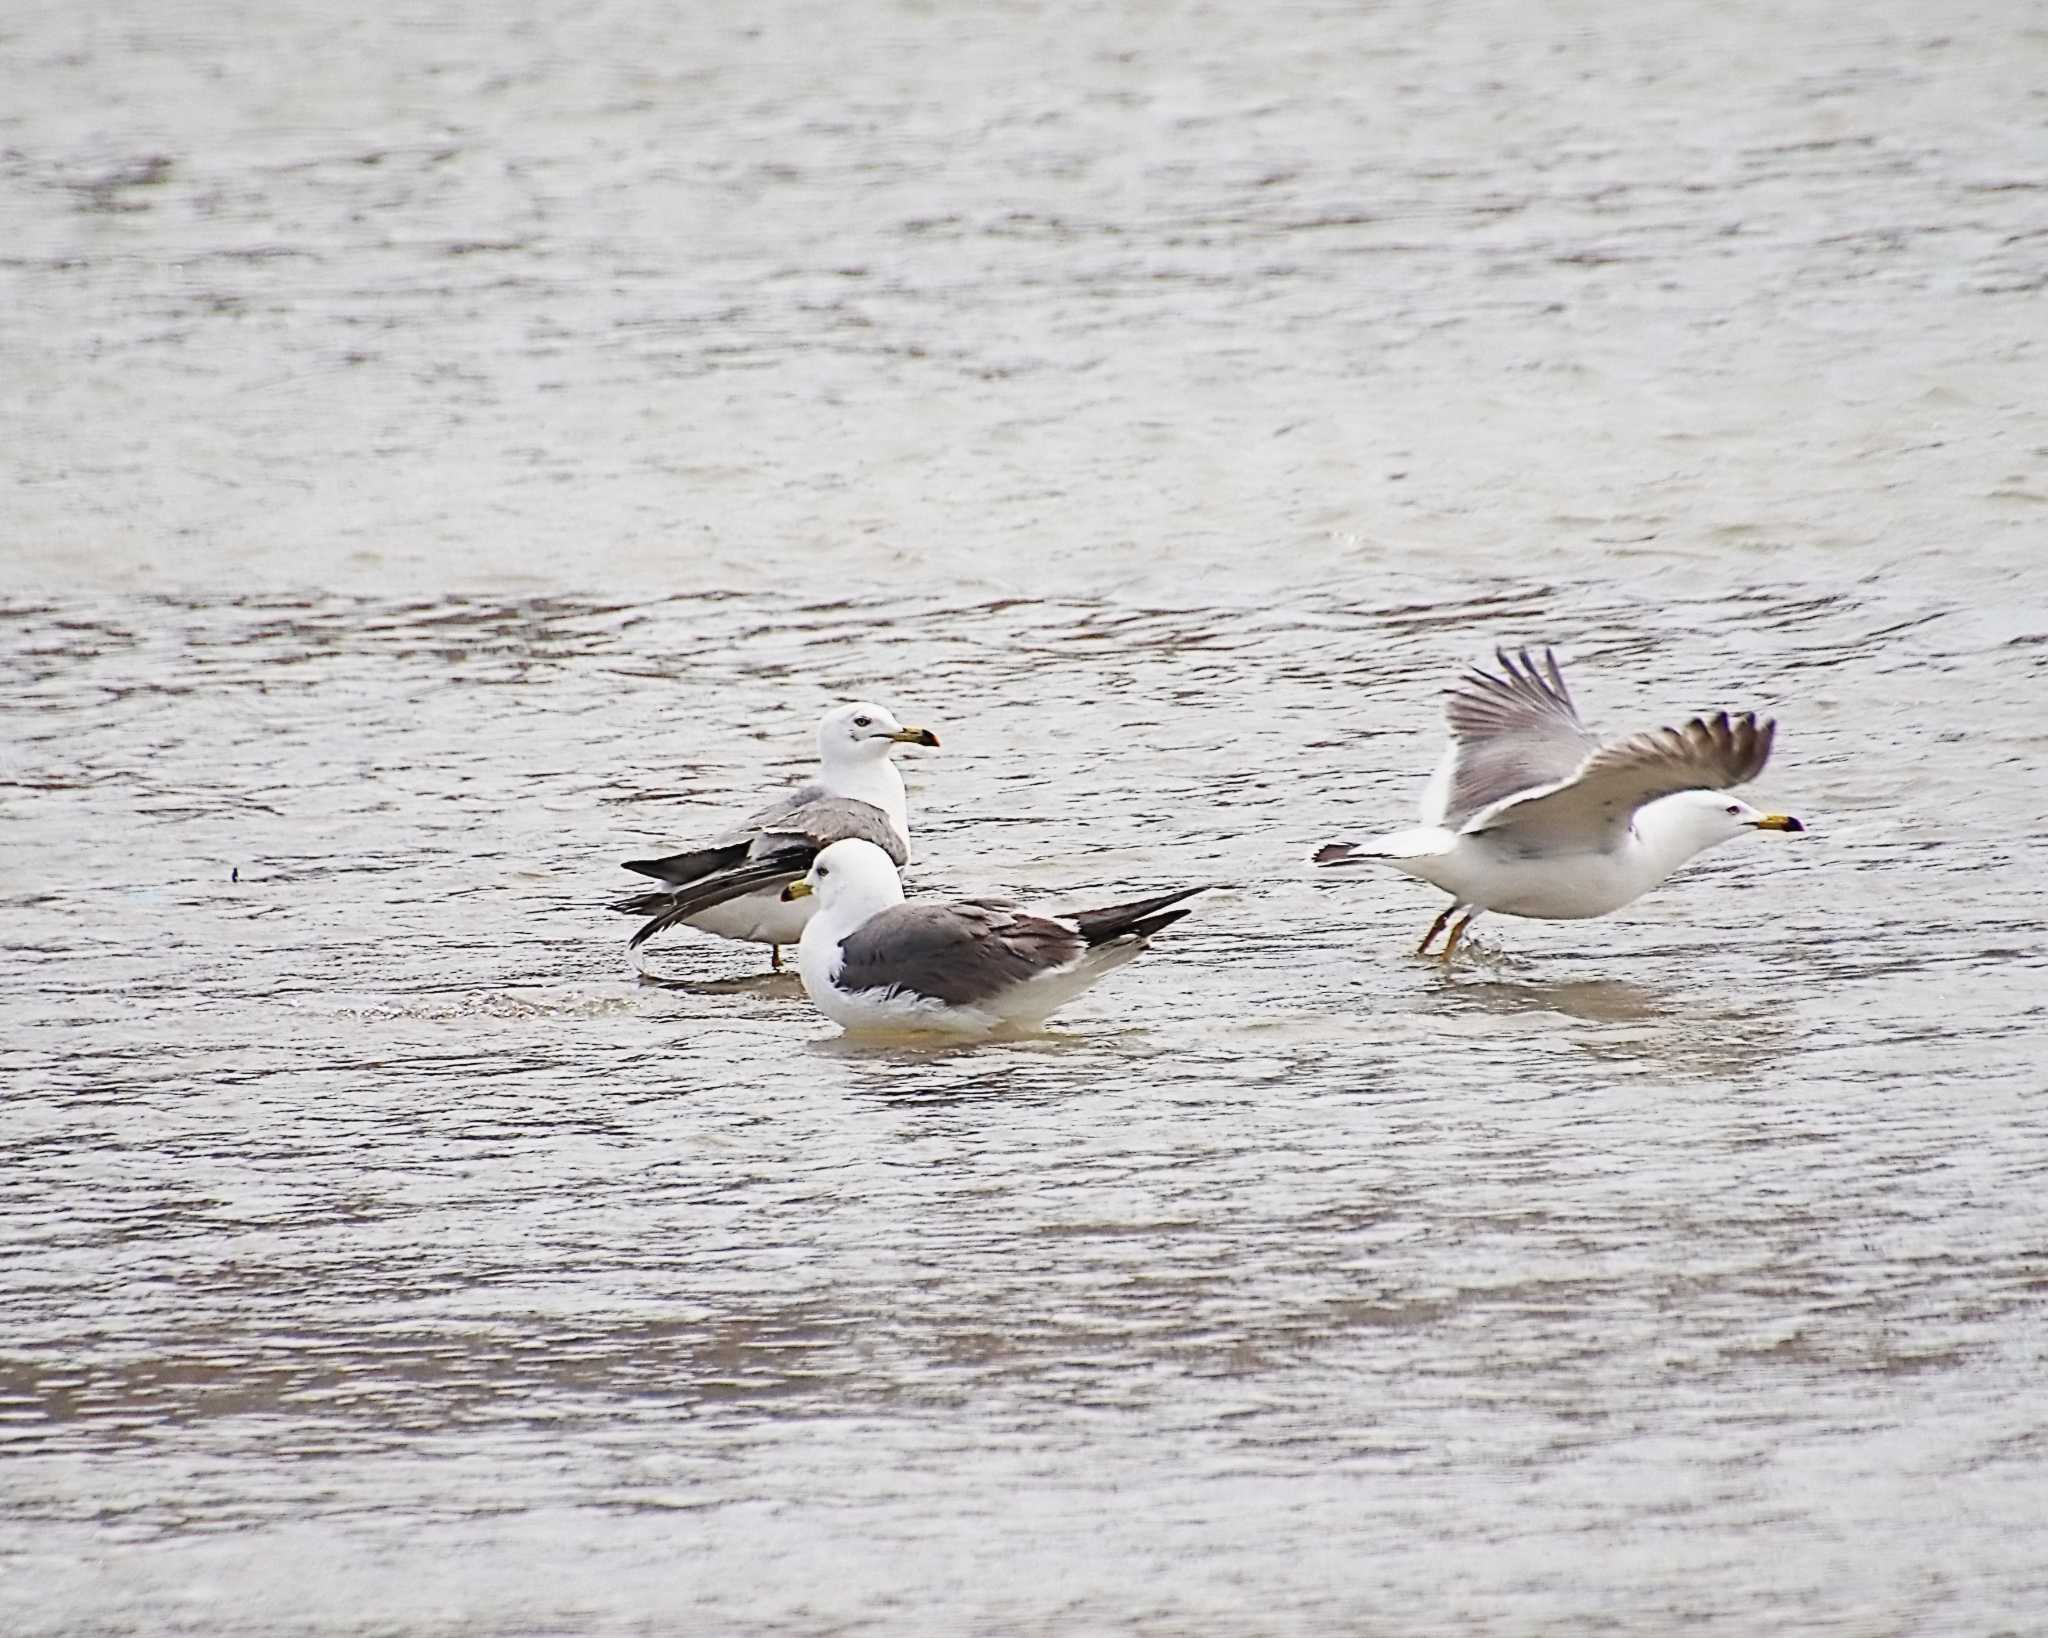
x: 446, y: 457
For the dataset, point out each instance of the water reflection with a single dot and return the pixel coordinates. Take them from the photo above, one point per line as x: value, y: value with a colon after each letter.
x: 1591, y: 1000
x: 937, y: 1072
x: 1671, y: 1028
x: 782, y: 986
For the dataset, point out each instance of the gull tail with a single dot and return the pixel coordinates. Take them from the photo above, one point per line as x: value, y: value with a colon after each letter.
x: 1426, y: 842
x: 1139, y: 919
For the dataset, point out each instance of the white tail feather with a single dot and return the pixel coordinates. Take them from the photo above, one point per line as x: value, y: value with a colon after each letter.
x: 1424, y: 842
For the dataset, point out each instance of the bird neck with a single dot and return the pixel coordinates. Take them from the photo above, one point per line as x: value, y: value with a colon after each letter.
x: 858, y: 904
x: 1667, y: 834
x: 875, y: 781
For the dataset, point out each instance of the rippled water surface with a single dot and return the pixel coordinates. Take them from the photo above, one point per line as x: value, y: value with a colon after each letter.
x: 445, y: 459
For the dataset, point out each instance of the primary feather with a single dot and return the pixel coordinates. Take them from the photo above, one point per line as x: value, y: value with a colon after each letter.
x: 777, y: 855
x: 1603, y: 793
x: 1508, y: 734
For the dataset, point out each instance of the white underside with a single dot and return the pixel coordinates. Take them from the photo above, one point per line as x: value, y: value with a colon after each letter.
x: 1024, y: 1006
x: 1556, y: 887
x: 760, y: 917
x: 1495, y: 869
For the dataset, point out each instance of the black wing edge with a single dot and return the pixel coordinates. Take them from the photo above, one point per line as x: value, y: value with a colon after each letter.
x: 1138, y: 919
x: 680, y: 905
x: 681, y: 869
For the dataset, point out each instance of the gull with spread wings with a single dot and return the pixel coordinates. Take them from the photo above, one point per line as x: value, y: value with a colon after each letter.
x: 877, y: 965
x: 1530, y: 814
x: 731, y: 884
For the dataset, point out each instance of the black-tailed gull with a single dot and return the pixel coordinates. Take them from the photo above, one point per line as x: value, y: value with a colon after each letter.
x: 731, y: 885
x: 975, y: 967
x: 1529, y: 814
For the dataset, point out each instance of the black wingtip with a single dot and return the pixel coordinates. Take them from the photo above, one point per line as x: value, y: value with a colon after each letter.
x: 693, y: 864
x: 1133, y: 919
x: 1157, y: 924
x: 679, y: 904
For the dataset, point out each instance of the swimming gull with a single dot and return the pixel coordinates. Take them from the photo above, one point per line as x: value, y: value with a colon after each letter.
x: 731, y: 884
x: 875, y: 964
x: 1530, y: 814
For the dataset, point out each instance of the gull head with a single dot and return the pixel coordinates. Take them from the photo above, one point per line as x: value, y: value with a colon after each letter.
x: 851, y: 880
x: 862, y: 732
x: 1713, y: 817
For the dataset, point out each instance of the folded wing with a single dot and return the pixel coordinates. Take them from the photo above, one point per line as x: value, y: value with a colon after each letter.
x: 779, y: 850
x: 728, y: 847
x: 972, y: 952
x: 960, y: 954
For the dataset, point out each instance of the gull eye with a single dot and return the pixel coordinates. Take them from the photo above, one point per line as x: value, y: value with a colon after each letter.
x: 1733, y: 811
x: 823, y: 872
x: 862, y: 722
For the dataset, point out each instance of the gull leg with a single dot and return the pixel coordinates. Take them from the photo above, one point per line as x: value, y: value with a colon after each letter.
x: 1436, y: 927
x: 775, y: 958
x: 1457, y: 932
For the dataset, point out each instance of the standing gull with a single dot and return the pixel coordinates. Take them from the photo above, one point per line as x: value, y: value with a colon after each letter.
x: 1530, y: 814
x: 875, y: 964
x: 731, y: 885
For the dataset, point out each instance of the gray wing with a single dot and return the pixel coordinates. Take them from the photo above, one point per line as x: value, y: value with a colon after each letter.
x: 1509, y: 734
x: 729, y: 846
x: 797, y: 796
x: 957, y: 953
x: 773, y: 856
x: 819, y: 823
x: 1603, y: 793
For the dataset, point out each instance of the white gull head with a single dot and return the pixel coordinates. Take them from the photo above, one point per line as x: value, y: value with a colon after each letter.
x: 854, y: 745
x: 851, y: 881
x: 1675, y: 828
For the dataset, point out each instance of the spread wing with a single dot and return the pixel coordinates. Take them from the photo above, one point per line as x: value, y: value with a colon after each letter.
x: 957, y: 953
x: 1509, y: 734
x: 1604, y: 791
x: 777, y: 852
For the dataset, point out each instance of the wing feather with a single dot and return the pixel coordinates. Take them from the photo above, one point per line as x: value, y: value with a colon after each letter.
x: 1603, y: 793
x: 1139, y: 919
x: 674, y: 908
x: 1509, y: 734
x: 775, y: 856
x: 729, y: 846
x: 972, y: 951
x: 834, y: 819
x: 961, y: 954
